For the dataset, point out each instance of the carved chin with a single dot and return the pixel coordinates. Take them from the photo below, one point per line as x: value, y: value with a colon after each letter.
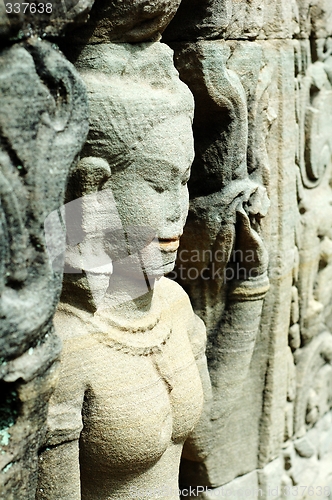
x: 169, y: 266
x: 160, y: 268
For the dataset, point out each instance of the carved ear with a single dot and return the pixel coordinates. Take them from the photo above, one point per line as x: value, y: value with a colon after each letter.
x: 88, y: 176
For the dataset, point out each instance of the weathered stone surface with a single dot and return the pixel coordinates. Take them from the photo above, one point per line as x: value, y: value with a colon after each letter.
x: 270, y: 479
x: 315, y: 18
x: 308, y: 466
x: 127, y: 21
x: 117, y: 76
x: 35, y: 126
x: 304, y: 447
x: 43, y: 123
x: 9, y: 24
x: 314, y: 371
x: 296, y: 135
x: 45, y: 19
x: 242, y: 487
x: 258, y: 19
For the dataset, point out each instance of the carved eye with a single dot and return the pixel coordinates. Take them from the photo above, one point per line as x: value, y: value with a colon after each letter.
x: 158, y: 188
x: 186, y: 177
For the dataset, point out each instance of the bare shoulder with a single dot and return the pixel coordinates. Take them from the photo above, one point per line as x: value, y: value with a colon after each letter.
x: 71, y: 322
x: 172, y: 291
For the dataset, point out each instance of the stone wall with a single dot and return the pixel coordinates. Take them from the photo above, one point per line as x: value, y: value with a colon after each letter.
x: 43, y: 125
x: 275, y: 51
x: 256, y: 254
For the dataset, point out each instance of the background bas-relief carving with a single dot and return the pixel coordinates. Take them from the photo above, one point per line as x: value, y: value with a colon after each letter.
x: 223, y: 231
x: 288, y: 152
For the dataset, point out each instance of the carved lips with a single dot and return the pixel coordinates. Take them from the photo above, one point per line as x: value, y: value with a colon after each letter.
x: 169, y: 245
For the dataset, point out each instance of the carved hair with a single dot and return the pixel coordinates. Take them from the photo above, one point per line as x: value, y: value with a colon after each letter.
x: 128, y: 97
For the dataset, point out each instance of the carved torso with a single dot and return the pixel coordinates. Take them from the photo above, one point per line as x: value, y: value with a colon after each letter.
x: 137, y: 395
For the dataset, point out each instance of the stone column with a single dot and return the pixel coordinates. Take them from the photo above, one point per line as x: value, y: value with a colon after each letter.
x: 43, y: 125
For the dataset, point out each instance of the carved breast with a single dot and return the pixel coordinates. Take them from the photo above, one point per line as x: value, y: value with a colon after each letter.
x: 131, y: 396
x: 137, y: 405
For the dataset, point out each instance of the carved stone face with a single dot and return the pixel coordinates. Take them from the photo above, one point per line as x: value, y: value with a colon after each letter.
x: 130, y: 228
x: 151, y: 194
x: 140, y: 126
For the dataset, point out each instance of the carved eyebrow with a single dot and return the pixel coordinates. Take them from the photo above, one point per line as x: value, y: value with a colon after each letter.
x: 160, y: 175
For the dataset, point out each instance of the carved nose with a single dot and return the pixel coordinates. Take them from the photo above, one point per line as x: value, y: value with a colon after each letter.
x: 175, y: 215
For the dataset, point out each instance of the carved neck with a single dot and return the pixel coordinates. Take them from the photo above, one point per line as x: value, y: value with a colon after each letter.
x: 127, y: 300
